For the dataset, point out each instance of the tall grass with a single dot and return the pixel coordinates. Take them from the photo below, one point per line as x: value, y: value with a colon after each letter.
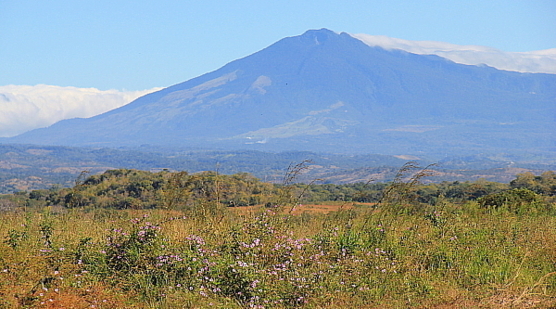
x: 394, y: 254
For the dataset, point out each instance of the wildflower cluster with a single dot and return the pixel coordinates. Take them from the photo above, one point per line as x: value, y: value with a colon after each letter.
x: 436, y: 218
x: 130, y: 251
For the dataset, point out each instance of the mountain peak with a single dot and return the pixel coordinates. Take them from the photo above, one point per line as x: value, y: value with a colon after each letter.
x: 319, y: 36
x: 324, y: 91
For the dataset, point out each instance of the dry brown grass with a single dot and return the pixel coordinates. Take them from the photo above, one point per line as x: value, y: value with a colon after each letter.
x: 301, y: 208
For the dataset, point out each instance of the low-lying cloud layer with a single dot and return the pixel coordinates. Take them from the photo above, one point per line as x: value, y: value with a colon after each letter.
x: 542, y: 61
x: 23, y: 108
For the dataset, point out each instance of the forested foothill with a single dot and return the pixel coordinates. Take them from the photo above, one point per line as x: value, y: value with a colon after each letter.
x: 136, y: 189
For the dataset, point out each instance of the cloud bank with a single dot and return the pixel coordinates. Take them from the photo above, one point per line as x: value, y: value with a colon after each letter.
x: 542, y: 61
x: 23, y: 108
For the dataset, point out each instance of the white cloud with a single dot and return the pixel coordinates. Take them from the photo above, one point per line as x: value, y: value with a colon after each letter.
x: 542, y: 61
x: 23, y: 108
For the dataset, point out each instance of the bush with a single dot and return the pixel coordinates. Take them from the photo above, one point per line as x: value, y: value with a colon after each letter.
x: 515, y: 200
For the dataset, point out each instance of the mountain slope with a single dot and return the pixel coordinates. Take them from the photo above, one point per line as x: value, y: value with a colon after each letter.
x: 323, y: 91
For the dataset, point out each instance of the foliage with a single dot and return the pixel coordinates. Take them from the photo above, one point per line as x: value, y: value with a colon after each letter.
x: 543, y: 184
x: 208, y: 191
x: 134, y: 189
x: 515, y: 200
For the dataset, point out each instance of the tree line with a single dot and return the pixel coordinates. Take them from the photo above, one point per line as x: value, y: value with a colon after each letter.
x: 136, y: 189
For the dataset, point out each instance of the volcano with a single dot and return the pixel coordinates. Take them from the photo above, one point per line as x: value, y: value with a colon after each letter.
x: 330, y: 92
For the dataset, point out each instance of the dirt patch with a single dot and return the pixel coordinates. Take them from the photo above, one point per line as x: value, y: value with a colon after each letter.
x: 8, y: 165
x: 38, y: 152
x: 301, y: 208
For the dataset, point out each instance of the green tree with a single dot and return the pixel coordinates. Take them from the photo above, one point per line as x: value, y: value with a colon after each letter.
x: 517, y: 200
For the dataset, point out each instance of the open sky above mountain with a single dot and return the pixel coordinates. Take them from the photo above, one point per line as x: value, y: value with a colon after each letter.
x: 137, y: 45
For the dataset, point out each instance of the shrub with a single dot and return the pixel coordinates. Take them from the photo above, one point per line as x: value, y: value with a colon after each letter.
x: 515, y: 200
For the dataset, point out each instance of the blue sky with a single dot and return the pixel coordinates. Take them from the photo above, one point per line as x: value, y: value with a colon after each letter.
x: 135, y: 45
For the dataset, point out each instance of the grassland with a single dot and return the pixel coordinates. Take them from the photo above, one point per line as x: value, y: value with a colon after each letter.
x: 355, y: 257
x: 393, y: 253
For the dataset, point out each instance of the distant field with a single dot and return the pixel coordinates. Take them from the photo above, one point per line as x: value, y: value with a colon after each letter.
x: 320, y: 208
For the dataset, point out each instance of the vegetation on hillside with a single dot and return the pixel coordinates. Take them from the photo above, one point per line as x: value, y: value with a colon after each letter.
x: 135, y: 189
